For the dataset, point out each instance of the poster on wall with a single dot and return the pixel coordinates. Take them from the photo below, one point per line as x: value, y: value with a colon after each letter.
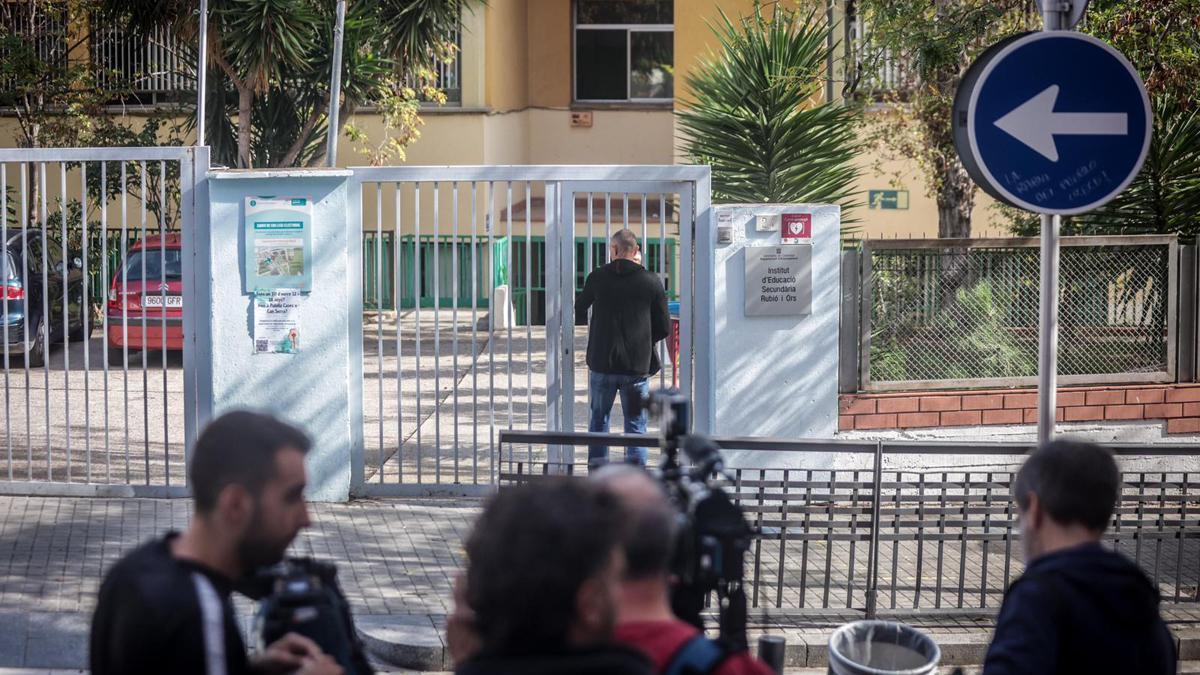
x: 278, y: 243
x: 277, y: 321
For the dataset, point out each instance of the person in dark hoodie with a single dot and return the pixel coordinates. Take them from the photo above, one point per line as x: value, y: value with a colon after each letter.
x: 629, y: 316
x: 1079, y: 607
x: 539, y: 593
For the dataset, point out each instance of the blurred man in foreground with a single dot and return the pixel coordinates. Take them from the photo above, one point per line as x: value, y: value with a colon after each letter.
x: 165, y: 607
x: 644, y: 618
x: 1078, y: 608
x: 539, y: 594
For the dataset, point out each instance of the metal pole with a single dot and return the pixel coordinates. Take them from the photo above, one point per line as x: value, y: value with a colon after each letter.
x: 1048, y: 329
x: 335, y: 87
x: 1048, y: 323
x: 202, y: 72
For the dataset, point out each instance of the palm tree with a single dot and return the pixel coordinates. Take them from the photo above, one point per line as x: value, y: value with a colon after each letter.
x: 270, y: 62
x: 755, y: 115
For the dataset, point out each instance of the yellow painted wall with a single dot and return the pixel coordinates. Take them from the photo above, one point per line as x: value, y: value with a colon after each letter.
x: 506, y: 138
x: 506, y: 64
x: 549, y: 53
x: 920, y: 220
x: 693, y: 36
x: 616, y: 137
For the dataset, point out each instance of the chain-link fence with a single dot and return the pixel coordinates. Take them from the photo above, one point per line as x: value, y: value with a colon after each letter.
x: 965, y: 312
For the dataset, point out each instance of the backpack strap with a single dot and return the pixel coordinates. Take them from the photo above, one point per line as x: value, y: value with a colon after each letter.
x: 697, y: 656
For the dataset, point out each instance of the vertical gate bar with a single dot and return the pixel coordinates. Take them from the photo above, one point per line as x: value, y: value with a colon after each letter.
x: 489, y: 227
x: 437, y: 335
x: 896, y: 542
x: 379, y: 319
x: 529, y: 304
x: 1141, y: 513
x: 687, y: 225
x: 783, y: 495
x: 807, y: 530
x: 162, y: 286
x: 941, y: 546
x: 1158, y: 540
x: 644, y: 241
x: 758, y: 527
x: 920, y: 540
x: 454, y: 315
x: 855, y: 477
x: 125, y: 307
x: 46, y: 327
x: 829, y: 523
x: 563, y: 199
x: 987, y: 529
x: 873, y: 549
x: 1179, y: 532
x: 625, y: 211
x: 1008, y: 536
x: 663, y: 352
x: 608, y: 231
x: 417, y: 330
x: 7, y: 360
x: 962, y: 541
x: 508, y: 253
x: 397, y: 292
x: 104, y: 273
x: 65, y: 271
x: 25, y: 342
x: 475, y: 332
x: 145, y: 375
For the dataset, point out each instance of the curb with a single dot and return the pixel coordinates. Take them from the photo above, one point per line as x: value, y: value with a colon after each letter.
x: 416, y: 642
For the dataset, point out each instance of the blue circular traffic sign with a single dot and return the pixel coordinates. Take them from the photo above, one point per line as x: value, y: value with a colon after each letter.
x: 1055, y: 122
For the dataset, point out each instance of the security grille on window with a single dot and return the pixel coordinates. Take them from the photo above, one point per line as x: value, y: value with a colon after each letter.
x: 624, y: 50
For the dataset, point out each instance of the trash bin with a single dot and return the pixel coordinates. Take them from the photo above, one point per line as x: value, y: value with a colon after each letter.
x: 673, y: 343
x: 882, y: 648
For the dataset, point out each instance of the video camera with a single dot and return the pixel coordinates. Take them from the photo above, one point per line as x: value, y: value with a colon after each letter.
x: 713, y: 534
x: 302, y: 595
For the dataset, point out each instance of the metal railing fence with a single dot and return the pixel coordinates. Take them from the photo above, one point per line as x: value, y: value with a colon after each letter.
x: 964, y: 312
x: 878, y: 538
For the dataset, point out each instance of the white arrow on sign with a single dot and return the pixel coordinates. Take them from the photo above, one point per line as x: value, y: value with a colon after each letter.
x: 1035, y: 123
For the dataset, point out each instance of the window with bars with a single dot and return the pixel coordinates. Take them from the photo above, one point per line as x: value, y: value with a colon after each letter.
x: 624, y: 50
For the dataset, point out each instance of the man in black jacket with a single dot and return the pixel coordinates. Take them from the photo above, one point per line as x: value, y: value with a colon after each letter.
x: 1079, y: 607
x: 629, y: 316
x: 165, y: 607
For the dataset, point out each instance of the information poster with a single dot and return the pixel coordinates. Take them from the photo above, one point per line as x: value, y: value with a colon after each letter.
x: 277, y: 321
x: 278, y: 243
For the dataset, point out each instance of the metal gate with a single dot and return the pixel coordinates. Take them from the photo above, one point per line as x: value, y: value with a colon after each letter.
x: 440, y: 382
x: 95, y: 393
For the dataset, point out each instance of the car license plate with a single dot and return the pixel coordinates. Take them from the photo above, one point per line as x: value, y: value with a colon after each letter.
x: 173, y: 301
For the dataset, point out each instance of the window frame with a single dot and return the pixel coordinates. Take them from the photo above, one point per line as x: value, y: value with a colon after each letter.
x: 629, y: 29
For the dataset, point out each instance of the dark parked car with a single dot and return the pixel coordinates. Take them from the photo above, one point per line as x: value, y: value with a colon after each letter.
x: 25, y: 296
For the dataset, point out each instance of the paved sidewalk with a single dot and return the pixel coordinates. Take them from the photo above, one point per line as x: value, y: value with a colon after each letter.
x: 396, y: 561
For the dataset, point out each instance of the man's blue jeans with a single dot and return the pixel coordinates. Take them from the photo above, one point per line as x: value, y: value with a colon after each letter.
x: 602, y: 391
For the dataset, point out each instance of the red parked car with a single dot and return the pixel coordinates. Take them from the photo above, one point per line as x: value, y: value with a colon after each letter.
x: 157, y: 297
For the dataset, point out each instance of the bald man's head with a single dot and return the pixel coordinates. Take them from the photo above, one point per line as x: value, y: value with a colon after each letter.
x: 650, y: 531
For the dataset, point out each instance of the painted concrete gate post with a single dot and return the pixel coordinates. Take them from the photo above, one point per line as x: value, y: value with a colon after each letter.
x: 308, y: 377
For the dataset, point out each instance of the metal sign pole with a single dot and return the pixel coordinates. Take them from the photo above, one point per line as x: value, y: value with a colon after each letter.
x: 335, y: 87
x: 1048, y: 323
x: 202, y: 72
x: 1048, y: 329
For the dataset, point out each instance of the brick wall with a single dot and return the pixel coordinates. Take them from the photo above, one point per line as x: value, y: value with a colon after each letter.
x: 1178, y: 404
